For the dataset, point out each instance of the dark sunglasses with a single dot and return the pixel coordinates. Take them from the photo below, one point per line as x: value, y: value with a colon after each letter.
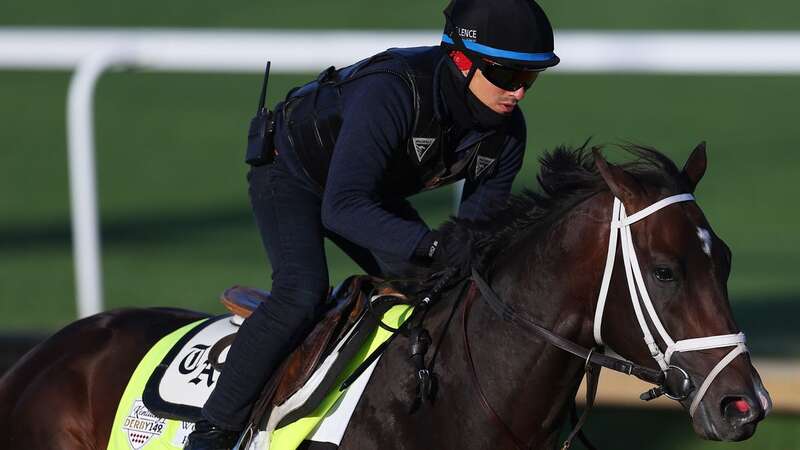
x: 507, y: 78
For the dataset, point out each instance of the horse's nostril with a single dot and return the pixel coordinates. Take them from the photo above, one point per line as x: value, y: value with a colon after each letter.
x: 737, y: 410
x: 741, y: 406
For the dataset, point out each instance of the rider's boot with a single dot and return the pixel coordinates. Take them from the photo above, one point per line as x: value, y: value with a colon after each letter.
x: 262, y: 342
x: 207, y: 436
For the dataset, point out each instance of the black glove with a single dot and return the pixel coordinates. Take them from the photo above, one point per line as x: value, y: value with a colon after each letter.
x: 453, y: 255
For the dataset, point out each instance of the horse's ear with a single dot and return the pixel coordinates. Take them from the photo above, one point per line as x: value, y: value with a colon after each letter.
x: 621, y: 183
x: 695, y: 166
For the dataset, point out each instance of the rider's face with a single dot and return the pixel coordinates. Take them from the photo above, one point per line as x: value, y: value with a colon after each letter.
x: 496, y: 98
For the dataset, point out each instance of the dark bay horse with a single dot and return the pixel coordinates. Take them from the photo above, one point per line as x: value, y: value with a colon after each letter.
x: 544, y: 255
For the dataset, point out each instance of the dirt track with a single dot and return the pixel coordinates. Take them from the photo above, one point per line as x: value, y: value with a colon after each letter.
x: 781, y: 378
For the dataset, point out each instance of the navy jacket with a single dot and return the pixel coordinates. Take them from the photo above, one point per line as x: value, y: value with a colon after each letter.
x: 364, y: 196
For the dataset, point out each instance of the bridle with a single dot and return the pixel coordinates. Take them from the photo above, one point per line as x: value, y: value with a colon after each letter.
x: 665, y: 378
x: 621, y: 228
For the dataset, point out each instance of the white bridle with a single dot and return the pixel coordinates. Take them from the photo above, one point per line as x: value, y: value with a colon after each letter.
x: 621, y: 226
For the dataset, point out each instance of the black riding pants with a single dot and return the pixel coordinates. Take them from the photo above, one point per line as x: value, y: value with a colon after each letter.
x: 287, y: 206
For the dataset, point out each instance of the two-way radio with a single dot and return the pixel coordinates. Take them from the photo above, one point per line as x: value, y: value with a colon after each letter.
x: 260, y: 138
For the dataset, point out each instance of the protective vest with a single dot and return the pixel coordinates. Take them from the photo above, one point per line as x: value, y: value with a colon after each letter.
x: 313, y: 118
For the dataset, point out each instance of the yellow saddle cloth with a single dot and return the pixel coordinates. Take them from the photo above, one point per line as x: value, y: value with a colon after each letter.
x: 135, y: 427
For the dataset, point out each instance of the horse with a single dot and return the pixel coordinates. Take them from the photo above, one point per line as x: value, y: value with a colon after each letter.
x: 543, y: 254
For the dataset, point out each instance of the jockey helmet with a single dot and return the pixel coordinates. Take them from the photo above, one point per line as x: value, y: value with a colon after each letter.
x: 510, y: 34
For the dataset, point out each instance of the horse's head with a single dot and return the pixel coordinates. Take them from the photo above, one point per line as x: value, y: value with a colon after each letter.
x: 683, y: 268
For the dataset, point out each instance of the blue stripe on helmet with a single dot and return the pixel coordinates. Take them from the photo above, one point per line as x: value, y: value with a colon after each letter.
x: 508, y: 54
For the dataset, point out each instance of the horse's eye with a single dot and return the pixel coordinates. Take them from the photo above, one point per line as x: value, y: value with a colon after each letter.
x: 663, y: 274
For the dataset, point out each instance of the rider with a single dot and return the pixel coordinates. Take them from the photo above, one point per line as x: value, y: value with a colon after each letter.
x: 351, y: 146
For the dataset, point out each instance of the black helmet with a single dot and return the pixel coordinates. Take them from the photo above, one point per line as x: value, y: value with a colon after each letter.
x: 511, y: 33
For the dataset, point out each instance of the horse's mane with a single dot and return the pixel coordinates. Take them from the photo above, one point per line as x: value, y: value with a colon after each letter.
x: 567, y: 177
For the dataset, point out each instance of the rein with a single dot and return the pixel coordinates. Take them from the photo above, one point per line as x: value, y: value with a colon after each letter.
x: 593, y: 361
x: 591, y: 356
x: 592, y: 372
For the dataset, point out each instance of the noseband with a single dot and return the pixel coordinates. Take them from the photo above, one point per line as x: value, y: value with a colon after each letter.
x: 621, y: 228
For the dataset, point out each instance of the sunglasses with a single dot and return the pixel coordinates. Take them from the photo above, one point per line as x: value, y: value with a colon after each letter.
x: 507, y: 78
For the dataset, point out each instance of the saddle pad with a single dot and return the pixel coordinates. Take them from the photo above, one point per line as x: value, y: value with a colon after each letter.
x: 142, y: 424
x: 135, y: 427
x: 183, y: 381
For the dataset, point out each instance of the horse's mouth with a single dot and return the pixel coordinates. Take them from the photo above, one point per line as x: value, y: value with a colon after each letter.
x: 720, y: 430
x: 734, y: 418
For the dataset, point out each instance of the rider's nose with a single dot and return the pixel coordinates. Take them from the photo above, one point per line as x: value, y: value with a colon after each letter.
x: 740, y: 410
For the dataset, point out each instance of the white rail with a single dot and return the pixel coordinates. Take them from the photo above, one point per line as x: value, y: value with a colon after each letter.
x: 302, y: 50
x: 90, y: 52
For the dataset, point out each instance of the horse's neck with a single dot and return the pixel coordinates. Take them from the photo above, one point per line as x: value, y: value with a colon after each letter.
x: 538, y: 380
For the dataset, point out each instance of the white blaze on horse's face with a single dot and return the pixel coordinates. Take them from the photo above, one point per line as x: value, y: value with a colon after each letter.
x: 705, y: 240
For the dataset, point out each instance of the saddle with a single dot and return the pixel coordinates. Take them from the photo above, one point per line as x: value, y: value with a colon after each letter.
x: 346, y: 305
x: 181, y: 378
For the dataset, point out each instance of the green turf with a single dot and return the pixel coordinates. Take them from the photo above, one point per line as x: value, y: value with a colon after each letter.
x: 621, y: 14
x: 634, y: 429
x: 176, y: 222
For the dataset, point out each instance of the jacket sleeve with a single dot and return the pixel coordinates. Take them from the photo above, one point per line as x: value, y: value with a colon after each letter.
x: 480, y: 197
x: 377, y: 118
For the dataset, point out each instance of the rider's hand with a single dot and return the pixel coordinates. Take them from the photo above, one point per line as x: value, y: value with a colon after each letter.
x: 455, y: 255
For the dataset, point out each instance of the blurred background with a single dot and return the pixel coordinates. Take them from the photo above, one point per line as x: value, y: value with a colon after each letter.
x: 175, y: 220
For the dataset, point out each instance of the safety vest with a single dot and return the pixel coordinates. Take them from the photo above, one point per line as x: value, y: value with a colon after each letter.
x: 312, y: 114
